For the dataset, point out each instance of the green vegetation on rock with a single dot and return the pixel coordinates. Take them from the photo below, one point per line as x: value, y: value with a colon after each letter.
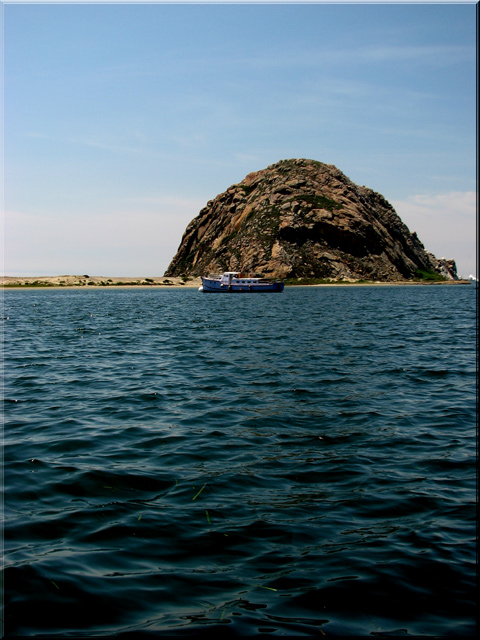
x: 421, y: 274
x: 320, y: 202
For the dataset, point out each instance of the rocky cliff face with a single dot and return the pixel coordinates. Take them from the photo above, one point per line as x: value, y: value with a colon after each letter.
x: 303, y: 219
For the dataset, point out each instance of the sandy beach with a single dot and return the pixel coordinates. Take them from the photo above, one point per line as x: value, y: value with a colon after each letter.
x: 98, y: 281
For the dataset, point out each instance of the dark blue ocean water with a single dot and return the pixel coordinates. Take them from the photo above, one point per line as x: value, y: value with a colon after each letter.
x: 295, y: 464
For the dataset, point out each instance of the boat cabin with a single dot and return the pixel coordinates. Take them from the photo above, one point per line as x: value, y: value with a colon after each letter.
x: 229, y: 277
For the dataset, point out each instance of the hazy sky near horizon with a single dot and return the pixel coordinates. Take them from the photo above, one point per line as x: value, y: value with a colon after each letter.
x: 122, y: 120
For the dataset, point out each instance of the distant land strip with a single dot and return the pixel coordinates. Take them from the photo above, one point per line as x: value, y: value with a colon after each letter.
x: 17, y: 282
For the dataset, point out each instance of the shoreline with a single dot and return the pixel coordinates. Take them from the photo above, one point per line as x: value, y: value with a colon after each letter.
x: 96, y: 282
x: 99, y: 282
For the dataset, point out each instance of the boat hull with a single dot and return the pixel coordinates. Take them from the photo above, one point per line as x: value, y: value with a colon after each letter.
x: 215, y: 286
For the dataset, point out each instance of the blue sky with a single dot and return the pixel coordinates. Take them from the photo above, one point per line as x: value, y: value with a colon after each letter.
x: 122, y: 120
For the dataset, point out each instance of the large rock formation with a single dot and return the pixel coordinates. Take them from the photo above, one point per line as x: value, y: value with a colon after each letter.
x: 303, y: 219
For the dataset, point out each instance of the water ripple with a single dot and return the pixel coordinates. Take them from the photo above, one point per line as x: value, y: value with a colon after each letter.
x: 301, y: 464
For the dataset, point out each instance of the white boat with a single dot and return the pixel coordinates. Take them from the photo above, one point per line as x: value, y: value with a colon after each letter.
x: 473, y: 280
x: 235, y: 282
